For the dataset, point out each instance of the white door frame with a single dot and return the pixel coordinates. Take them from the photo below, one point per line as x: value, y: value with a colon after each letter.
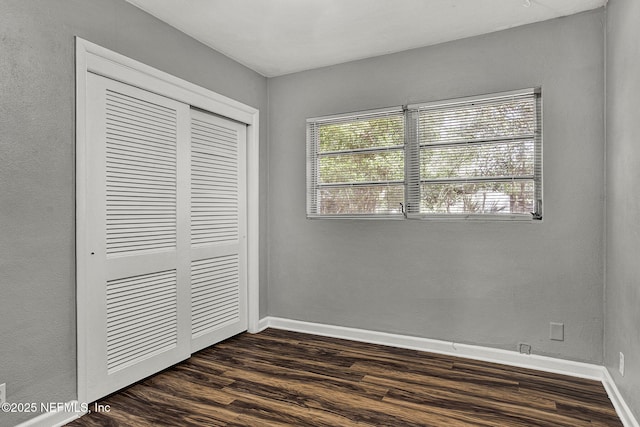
x: 91, y: 58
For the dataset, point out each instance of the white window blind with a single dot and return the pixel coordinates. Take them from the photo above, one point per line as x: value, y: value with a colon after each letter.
x: 355, y: 165
x: 478, y: 157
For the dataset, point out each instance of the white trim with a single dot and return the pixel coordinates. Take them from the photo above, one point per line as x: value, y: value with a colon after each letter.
x: 81, y: 232
x: 253, y: 224
x: 54, y: 418
x: 469, y: 99
x: 356, y: 114
x: 623, y: 410
x: 472, y: 217
x: 487, y: 354
x: 391, y: 217
x: 264, y: 324
x: 107, y: 63
x: 96, y: 59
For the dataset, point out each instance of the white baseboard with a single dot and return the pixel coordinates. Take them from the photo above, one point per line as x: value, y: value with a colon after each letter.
x: 54, y: 418
x: 623, y: 410
x: 263, y: 324
x: 487, y: 354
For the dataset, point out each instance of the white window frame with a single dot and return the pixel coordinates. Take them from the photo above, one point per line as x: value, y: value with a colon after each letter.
x: 412, y: 179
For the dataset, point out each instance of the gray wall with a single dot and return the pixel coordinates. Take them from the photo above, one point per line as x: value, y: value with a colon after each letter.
x: 622, y: 290
x: 492, y: 284
x: 488, y: 283
x: 37, y: 270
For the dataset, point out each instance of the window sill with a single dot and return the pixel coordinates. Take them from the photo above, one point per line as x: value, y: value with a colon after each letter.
x: 443, y: 218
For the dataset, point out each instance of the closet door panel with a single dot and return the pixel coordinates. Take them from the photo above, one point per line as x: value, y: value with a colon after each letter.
x: 138, y: 226
x: 166, y: 232
x: 218, y: 229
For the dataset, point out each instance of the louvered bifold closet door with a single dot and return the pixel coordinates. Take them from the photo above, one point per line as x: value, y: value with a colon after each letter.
x: 218, y: 229
x: 138, y: 234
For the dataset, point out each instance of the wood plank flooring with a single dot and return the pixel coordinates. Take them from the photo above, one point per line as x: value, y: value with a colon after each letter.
x: 278, y: 378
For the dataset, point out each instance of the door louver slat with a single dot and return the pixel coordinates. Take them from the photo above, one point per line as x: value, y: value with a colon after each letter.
x: 214, y: 293
x: 141, y: 178
x: 214, y: 181
x: 141, y: 317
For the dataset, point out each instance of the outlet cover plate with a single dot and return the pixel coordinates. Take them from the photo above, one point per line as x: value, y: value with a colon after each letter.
x: 621, y: 365
x: 556, y: 331
x: 3, y: 393
x: 524, y: 348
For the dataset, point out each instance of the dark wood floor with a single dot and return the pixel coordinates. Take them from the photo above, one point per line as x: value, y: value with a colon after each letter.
x: 284, y: 378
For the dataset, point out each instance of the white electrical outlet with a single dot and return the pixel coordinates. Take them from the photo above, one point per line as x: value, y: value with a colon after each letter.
x: 621, y: 365
x: 3, y: 393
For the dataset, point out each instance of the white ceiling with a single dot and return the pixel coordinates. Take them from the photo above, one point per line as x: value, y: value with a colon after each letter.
x: 276, y: 37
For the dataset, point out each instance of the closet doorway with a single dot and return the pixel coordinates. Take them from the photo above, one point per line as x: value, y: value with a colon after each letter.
x: 163, y: 225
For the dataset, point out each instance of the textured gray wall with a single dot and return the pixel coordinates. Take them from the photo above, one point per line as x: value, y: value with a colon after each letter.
x: 487, y: 283
x: 37, y: 259
x: 622, y: 290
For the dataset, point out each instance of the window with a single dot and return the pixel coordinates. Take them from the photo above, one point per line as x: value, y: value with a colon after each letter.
x: 356, y: 164
x: 477, y: 157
